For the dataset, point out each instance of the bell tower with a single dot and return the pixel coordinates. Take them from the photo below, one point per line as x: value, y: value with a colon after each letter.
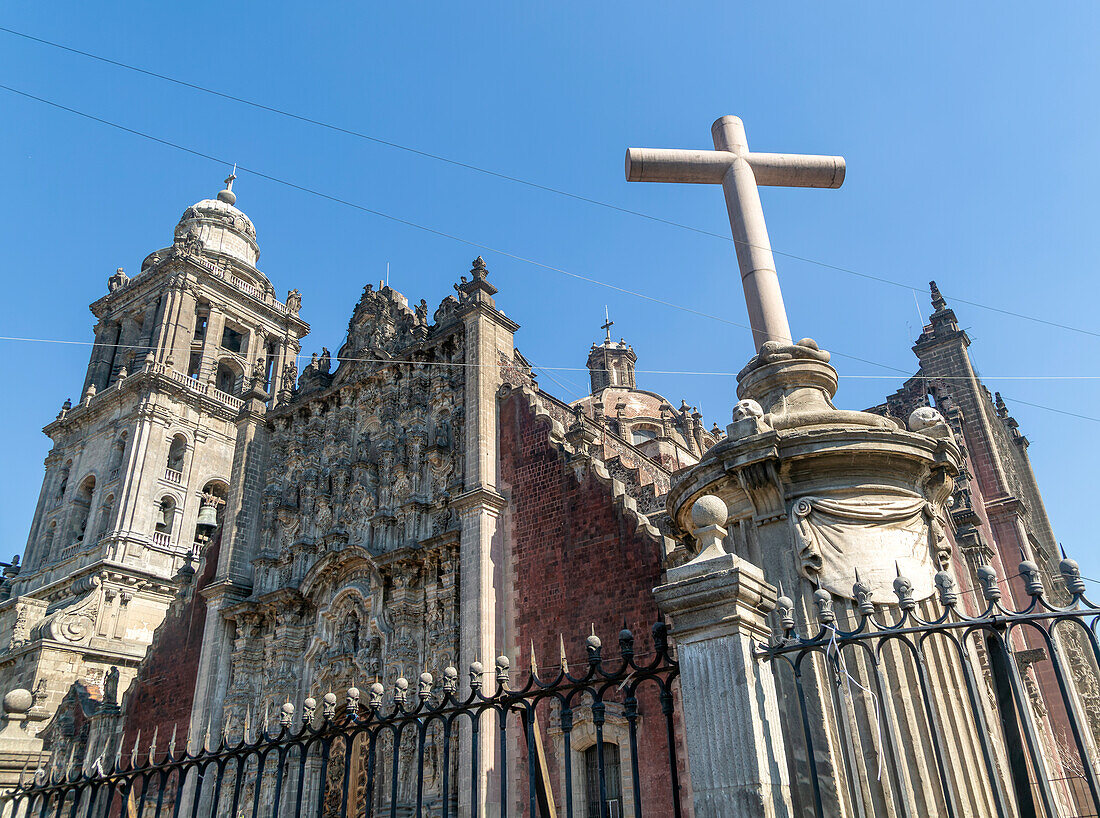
x: 139, y: 473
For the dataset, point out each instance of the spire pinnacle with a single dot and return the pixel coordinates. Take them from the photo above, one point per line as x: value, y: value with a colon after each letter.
x: 938, y: 302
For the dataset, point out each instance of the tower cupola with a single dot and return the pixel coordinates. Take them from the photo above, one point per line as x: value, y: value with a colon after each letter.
x: 611, y: 363
x: 222, y: 228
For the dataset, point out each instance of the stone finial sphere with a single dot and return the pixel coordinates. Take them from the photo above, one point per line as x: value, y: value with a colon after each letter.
x: 18, y: 700
x: 924, y: 417
x: 709, y: 510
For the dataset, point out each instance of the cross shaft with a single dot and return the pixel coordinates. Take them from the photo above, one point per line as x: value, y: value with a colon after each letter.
x: 739, y: 171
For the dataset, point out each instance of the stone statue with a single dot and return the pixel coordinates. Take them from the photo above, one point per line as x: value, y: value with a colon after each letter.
x: 294, y: 301
x: 324, y: 365
x: 110, y: 687
x: 117, y: 281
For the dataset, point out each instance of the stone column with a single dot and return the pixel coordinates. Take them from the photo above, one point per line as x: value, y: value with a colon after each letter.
x: 718, y: 604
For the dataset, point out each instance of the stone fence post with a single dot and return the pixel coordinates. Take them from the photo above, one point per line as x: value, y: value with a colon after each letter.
x: 718, y: 605
x: 19, y: 750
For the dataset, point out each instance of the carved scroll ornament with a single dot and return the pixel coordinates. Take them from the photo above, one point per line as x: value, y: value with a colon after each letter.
x: 834, y: 537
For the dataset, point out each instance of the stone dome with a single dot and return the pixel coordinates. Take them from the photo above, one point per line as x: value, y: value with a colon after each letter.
x: 221, y: 227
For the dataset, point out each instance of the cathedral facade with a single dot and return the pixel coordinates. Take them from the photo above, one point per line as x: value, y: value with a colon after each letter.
x: 218, y: 534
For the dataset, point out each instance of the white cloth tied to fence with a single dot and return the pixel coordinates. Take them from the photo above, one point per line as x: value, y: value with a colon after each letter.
x: 834, y: 537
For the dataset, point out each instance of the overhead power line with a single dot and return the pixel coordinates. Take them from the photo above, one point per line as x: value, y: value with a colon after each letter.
x: 548, y: 370
x: 518, y: 180
x: 443, y: 234
x: 453, y: 237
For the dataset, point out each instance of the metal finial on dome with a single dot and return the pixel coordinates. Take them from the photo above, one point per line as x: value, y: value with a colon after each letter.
x: 227, y: 195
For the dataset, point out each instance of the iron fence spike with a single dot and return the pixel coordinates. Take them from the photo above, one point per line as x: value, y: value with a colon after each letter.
x: 134, y: 749
x: 450, y: 680
x: 153, y: 744
x: 987, y: 578
x: 823, y: 601
x: 562, y: 658
x: 945, y: 585
x: 376, y: 694
x: 172, y: 740
x: 1071, y: 573
x: 594, y: 647
x: 903, y: 589
x: 863, y: 593
x: 286, y: 715
x: 401, y: 691
x: 534, y: 662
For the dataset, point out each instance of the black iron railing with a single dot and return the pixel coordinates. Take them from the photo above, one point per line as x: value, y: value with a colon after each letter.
x: 1023, y: 695
x: 411, y: 752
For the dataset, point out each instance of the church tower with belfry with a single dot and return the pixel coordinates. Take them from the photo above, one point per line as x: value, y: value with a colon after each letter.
x: 141, y: 468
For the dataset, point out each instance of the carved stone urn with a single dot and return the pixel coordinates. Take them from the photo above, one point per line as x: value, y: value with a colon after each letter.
x: 815, y: 492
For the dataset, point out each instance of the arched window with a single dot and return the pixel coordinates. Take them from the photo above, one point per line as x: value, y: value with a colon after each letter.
x: 117, y: 454
x: 82, y: 509
x: 640, y: 434
x: 228, y: 377
x: 176, y: 452
x: 166, y: 518
x: 214, y: 495
x: 106, y: 512
x: 612, y: 777
x: 63, y: 482
x: 45, y: 553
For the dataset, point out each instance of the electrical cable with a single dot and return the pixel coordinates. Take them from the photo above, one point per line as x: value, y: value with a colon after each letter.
x: 547, y: 369
x: 518, y: 180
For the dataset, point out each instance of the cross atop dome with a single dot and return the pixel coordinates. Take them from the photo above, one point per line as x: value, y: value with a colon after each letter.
x: 607, y: 324
x: 227, y: 195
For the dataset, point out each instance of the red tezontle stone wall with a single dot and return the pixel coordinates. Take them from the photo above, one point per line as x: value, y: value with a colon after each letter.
x: 577, y: 561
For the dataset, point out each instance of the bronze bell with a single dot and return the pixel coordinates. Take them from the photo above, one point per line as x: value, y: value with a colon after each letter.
x: 208, y: 520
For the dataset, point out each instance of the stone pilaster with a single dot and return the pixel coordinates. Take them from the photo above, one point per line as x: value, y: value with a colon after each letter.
x: 242, y: 512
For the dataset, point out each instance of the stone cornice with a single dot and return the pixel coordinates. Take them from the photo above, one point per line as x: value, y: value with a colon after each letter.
x: 716, y: 597
x: 472, y: 309
x: 223, y: 590
x: 483, y: 496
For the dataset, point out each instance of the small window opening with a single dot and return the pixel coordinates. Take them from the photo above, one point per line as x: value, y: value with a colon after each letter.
x: 176, y: 452
x: 166, y: 516
x: 194, y: 364
x: 611, y: 805
x: 201, y: 320
x: 232, y: 340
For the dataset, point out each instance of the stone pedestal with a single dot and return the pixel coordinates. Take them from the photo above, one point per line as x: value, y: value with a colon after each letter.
x: 735, y: 746
x: 813, y: 494
x: 19, y: 750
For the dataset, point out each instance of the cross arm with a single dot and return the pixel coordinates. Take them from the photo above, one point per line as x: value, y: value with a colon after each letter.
x: 663, y: 165
x: 710, y: 167
x: 796, y: 170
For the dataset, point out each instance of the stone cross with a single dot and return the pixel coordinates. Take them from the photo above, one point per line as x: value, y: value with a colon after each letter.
x: 740, y: 171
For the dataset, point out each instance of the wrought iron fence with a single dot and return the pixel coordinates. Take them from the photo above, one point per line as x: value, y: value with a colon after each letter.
x: 415, y: 754
x: 1025, y: 682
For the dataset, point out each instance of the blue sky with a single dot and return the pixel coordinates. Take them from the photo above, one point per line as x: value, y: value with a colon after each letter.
x: 969, y: 132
